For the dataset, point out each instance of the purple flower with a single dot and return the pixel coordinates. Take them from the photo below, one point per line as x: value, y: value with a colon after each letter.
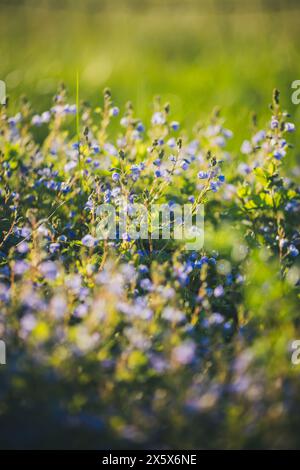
x: 184, y: 353
x: 202, y: 175
x: 88, y: 241
x: 279, y: 154
x: 246, y: 147
x: 184, y: 165
x: 36, y: 120
x: 174, y: 125
x: 274, y: 123
x: 28, y: 323
x: 140, y: 127
x: 258, y: 137
x: 23, y: 247
x: 219, y: 291
x: 114, y: 111
x: 289, y: 127
x: 293, y: 251
x: 49, y: 270
x: 54, y: 247
x: 146, y: 284
x: 213, y: 186
x: 126, y: 237
x: 80, y: 311
x: 143, y: 269
x: 158, y: 119
x: 20, y: 267
x: 115, y: 176
x: 216, y: 319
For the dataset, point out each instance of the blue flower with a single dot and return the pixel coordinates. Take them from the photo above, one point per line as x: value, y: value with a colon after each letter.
x: 246, y: 147
x: 289, y: 127
x: 158, y: 119
x: 49, y: 270
x: 126, y: 237
x: 23, y: 247
x: 20, y: 267
x: 140, y: 127
x: 293, y: 251
x: 143, y: 269
x: 115, y: 176
x: 146, y: 284
x: 54, y: 247
x: 202, y: 175
x: 279, y: 154
x: 174, y: 125
x: 213, y: 186
x: 184, y: 165
x: 114, y: 111
x: 274, y: 123
x: 88, y: 241
x: 96, y: 148
x: 258, y: 137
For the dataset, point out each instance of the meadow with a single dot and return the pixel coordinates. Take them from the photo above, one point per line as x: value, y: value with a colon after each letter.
x: 123, y: 343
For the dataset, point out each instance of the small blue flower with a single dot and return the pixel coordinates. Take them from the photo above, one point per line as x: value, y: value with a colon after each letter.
x: 246, y: 147
x: 289, y: 127
x: 143, y: 269
x: 49, y: 270
x: 258, y: 137
x: 146, y: 284
x: 23, y: 248
x: 184, y: 165
x: 293, y: 251
x: 54, y: 247
x: 88, y: 241
x: 174, y: 125
x: 279, y: 154
x: 221, y: 178
x: 96, y: 148
x: 36, y: 120
x: 140, y: 127
x: 213, y: 186
x: 274, y: 123
x: 202, y: 175
x: 158, y: 119
x: 126, y: 237
x: 114, y: 111
x: 219, y: 291
x: 115, y: 176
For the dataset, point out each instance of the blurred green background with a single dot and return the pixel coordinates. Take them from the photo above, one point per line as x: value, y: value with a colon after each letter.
x: 195, y: 54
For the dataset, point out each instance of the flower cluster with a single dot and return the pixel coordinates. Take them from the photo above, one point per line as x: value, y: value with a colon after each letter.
x: 141, y: 342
